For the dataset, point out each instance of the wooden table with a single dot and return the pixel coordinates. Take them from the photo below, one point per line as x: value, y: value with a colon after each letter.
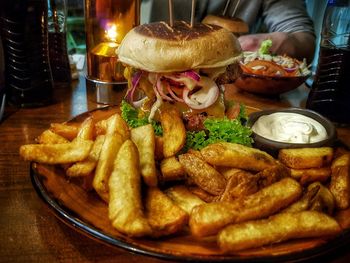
x: 28, y: 231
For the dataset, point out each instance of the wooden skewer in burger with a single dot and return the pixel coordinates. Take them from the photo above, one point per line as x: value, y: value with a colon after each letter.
x: 180, y: 65
x: 171, y: 17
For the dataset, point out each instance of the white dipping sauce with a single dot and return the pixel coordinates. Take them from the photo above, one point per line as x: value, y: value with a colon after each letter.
x: 289, y: 127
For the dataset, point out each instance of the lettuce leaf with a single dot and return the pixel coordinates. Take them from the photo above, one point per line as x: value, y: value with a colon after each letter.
x: 219, y: 130
x: 134, y: 119
x: 216, y: 130
x: 265, y: 47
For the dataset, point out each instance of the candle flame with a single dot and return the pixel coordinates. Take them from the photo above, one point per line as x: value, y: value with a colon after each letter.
x: 111, y: 32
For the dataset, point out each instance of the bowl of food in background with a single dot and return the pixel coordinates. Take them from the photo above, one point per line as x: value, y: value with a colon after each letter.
x: 277, y: 129
x: 267, y: 74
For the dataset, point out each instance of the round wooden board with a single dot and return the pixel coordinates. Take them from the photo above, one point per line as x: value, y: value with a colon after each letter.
x: 87, y: 213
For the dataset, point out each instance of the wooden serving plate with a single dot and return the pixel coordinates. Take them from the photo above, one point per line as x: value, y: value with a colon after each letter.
x: 85, y: 212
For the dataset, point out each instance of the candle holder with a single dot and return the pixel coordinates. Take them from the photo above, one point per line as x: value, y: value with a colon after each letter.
x: 106, y: 24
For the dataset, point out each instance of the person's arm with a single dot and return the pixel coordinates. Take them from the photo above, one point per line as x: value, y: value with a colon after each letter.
x: 297, y: 45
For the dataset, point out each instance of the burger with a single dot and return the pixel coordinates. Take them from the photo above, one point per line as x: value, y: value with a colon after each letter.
x: 179, y: 65
x: 234, y: 24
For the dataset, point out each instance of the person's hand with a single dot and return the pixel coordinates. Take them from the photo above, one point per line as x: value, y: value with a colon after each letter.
x: 251, y: 42
x: 280, y: 42
x: 297, y: 45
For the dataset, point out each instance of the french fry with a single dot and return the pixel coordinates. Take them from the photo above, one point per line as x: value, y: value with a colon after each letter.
x: 117, y: 132
x: 196, y: 153
x: 272, y: 174
x: 307, y: 176
x: 101, y: 127
x: 158, y: 151
x: 240, y: 183
x: 202, y: 194
x: 125, y: 208
x: 323, y: 201
x: 62, y: 153
x: 144, y: 139
x: 86, y: 129
x: 114, y: 125
x: 241, y: 194
x: 237, y: 156
x: 86, y: 167
x: 171, y: 169
x: 272, y: 230
x: 317, y: 197
x: 340, y: 181
x: 110, y: 148
x: 174, y: 133
x: 209, y: 219
x: 65, y: 130
x: 163, y: 215
x: 303, y: 203
x: 202, y: 174
x: 86, y: 132
x: 303, y: 158
x: 227, y: 172
x: 183, y: 197
x: 49, y: 137
x: 117, y: 125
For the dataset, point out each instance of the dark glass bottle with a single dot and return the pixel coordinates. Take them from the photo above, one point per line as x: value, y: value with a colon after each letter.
x: 24, y: 36
x: 57, y: 34
x: 330, y: 92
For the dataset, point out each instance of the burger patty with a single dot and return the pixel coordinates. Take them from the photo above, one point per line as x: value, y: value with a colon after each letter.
x: 195, y: 122
x: 231, y: 74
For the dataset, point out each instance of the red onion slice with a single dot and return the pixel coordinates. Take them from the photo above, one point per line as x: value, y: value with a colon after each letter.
x: 204, y: 97
x: 160, y: 89
x: 188, y: 78
x: 290, y: 70
x: 173, y: 95
x: 136, y: 78
x: 134, y: 83
x: 137, y: 104
x: 191, y: 74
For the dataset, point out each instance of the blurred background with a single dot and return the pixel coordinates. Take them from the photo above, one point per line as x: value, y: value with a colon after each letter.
x: 76, y: 29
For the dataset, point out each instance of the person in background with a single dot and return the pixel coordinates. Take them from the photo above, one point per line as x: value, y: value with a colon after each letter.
x: 285, y: 22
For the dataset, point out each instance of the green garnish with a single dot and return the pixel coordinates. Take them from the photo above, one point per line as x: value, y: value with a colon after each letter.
x: 242, y: 116
x: 219, y: 130
x: 265, y: 47
x: 216, y: 130
x: 134, y: 120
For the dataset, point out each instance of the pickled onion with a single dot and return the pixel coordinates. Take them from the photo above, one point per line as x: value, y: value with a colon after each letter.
x: 173, y: 95
x: 188, y: 78
x: 134, y: 83
x: 204, y: 97
x: 191, y: 74
x: 160, y: 88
